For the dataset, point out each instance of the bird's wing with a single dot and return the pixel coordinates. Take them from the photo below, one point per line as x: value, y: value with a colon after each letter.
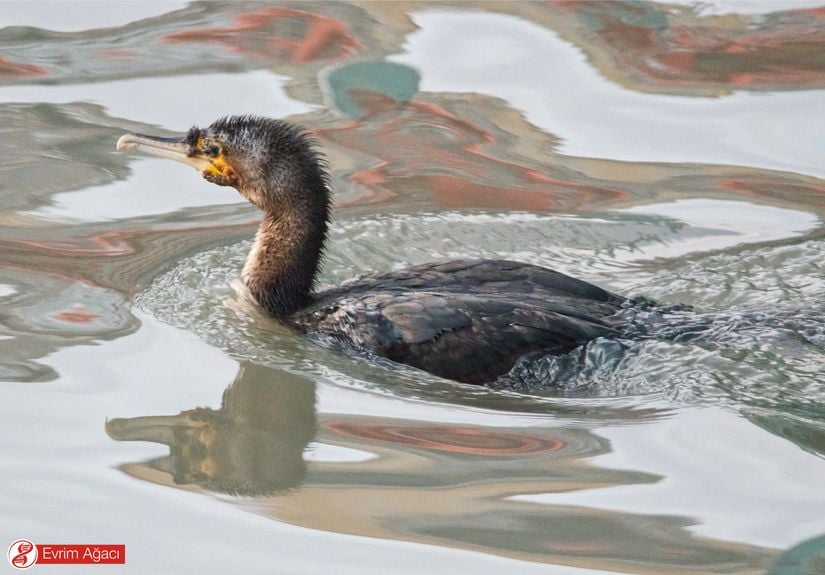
x: 478, y: 276
x: 468, y: 337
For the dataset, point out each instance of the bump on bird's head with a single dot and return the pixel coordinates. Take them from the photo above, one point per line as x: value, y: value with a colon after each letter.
x: 269, y: 161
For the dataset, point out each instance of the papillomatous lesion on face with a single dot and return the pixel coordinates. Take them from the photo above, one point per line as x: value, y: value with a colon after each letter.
x: 192, y: 139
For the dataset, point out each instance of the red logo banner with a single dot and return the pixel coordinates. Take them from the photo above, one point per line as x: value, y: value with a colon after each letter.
x: 22, y: 554
x: 49, y: 554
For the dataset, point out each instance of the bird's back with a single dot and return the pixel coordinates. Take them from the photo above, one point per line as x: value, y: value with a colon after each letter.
x: 466, y: 320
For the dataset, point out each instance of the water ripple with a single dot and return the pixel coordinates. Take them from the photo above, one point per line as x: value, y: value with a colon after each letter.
x: 766, y: 349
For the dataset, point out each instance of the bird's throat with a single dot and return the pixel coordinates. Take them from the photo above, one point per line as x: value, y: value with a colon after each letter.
x: 281, y: 266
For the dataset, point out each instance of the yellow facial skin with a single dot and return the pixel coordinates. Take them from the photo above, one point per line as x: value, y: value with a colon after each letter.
x: 218, y: 170
x: 218, y: 166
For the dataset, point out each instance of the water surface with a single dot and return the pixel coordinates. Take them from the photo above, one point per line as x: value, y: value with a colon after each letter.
x: 665, y: 150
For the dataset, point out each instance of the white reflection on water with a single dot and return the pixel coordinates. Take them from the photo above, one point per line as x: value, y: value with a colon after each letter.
x: 324, y: 453
x: 198, y: 98
x: 739, y: 482
x: 131, y: 367
x: 164, y: 187
x: 576, y: 245
x: 78, y: 15
x: 744, y: 6
x: 61, y: 481
x: 724, y: 224
x: 551, y: 81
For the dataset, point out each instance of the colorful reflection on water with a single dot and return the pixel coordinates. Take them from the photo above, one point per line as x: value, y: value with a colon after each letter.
x: 670, y: 150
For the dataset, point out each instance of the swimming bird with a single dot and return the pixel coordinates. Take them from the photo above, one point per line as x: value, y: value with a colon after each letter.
x: 467, y: 320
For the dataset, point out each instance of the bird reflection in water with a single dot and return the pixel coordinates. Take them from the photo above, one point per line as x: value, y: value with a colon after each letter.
x: 446, y: 484
x: 252, y: 445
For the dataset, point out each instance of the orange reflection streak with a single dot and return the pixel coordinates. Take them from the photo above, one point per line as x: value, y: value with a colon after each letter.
x: 679, y: 48
x: 9, y: 68
x: 119, y: 54
x: 322, y: 35
x: 422, y: 147
x: 113, y: 259
x: 468, y: 440
x: 76, y: 315
x: 109, y: 243
x: 769, y: 187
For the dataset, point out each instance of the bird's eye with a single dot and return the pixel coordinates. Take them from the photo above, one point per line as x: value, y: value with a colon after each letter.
x: 210, y: 148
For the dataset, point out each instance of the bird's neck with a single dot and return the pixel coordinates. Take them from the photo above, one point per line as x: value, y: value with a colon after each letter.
x: 281, y: 266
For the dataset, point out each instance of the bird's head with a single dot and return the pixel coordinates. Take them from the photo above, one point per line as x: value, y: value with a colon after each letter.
x: 270, y: 162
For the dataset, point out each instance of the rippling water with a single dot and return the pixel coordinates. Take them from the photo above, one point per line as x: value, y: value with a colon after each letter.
x: 668, y: 151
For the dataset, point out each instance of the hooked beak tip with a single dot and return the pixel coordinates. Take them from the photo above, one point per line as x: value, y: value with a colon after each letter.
x: 125, y: 142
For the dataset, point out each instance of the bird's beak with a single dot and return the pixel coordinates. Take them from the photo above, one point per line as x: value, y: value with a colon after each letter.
x: 170, y: 148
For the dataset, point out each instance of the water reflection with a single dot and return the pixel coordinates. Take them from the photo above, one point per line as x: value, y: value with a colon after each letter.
x: 450, y: 485
x: 806, y: 431
x: 598, y: 118
x: 47, y: 149
x: 279, y: 33
x: 806, y: 558
x: 435, y: 155
x: 252, y: 445
x: 476, y: 151
x: 657, y: 46
x: 647, y: 46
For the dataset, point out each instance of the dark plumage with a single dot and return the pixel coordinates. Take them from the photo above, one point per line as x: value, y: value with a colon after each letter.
x: 467, y: 320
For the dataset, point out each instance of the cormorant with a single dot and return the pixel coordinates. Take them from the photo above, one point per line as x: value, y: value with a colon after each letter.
x: 465, y: 320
